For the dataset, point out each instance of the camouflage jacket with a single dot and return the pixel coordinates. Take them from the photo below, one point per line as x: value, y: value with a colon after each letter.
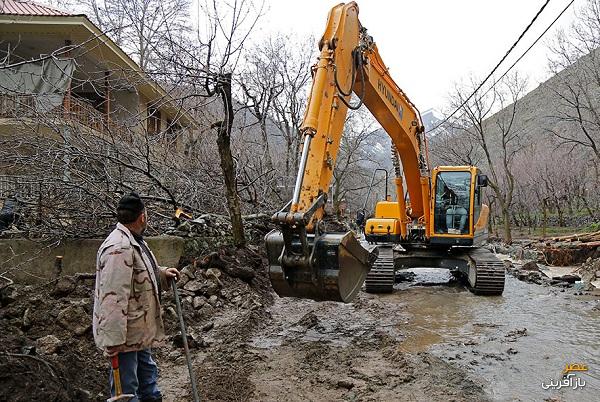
x: 126, y: 301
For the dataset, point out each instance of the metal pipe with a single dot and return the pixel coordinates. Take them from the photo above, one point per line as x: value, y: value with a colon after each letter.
x: 371, y: 186
x: 300, y: 177
x: 185, y: 343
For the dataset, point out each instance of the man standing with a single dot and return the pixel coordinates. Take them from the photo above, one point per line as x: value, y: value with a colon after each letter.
x: 127, y: 318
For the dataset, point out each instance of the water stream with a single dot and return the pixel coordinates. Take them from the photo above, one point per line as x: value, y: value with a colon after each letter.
x: 474, y: 331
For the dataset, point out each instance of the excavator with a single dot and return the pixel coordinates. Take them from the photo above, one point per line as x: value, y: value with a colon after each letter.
x: 440, y: 221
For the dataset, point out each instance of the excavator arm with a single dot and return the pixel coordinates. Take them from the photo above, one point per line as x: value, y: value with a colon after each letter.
x: 304, y: 260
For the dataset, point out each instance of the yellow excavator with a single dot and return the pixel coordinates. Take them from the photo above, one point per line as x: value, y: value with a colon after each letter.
x: 439, y: 222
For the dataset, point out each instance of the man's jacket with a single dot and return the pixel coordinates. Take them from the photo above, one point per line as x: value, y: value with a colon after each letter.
x: 126, y: 301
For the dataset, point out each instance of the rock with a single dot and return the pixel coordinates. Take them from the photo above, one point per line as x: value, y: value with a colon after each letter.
x: 8, y: 295
x: 512, y: 351
x: 213, y: 300
x: 208, y: 326
x: 188, y: 300
x: 214, y: 274
x: 568, y: 278
x: 174, y: 355
x: 597, y: 274
x: 183, y: 280
x: 198, y: 302
x: 65, y: 285
x: 74, y: 319
x: 26, y: 323
x: 185, y: 227
x: 244, y: 273
x: 189, y: 271
x: 183, y: 293
x: 193, y: 286
x: 171, y: 312
x: 309, y: 320
x: 530, y: 266
x: 210, y: 289
x: 345, y: 383
x: 48, y: 344
x: 191, y: 340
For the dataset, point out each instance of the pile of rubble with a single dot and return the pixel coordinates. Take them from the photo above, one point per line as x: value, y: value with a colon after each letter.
x: 47, y: 351
x: 569, y: 250
x: 564, y: 261
x: 221, y: 278
x: 219, y: 226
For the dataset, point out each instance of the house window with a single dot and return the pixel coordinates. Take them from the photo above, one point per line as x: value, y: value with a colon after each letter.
x: 153, y: 120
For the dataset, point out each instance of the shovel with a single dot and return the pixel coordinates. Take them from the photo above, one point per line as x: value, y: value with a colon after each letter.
x: 185, y: 343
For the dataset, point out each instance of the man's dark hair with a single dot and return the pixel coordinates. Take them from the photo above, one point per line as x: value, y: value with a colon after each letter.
x: 126, y: 216
x: 130, y: 208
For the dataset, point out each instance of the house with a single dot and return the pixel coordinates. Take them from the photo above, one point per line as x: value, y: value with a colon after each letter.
x: 61, y: 65
x: 60, y: 74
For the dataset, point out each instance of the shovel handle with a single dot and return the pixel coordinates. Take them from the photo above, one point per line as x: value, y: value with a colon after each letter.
x: 114, y: 361
x: 185, y: 343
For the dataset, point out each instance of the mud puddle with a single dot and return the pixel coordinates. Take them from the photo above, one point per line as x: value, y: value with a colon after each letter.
x: 429, y: 342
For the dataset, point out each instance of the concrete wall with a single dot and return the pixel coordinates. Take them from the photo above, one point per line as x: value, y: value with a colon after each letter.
x: 27, y: 261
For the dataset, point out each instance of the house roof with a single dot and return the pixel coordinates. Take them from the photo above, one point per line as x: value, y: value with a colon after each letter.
x: 20, y: 7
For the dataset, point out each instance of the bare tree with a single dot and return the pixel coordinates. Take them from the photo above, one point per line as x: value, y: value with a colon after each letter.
x: 576, y: 61
x: 496, y: 135
x: 355, y: 161
x: 142, y: 27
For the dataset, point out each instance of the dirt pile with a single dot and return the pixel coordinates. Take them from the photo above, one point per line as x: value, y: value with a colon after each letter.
x: 553, y: 261
x: 223, y: 303
x: 47, y: 350
x: 46, y: 342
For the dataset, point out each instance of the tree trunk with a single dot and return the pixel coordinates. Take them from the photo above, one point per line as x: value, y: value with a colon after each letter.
x: 544, y: 219
x: 227, y: 165
x: 507, y: 231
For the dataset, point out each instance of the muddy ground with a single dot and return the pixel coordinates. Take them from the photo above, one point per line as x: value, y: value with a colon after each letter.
x: 430, y: 340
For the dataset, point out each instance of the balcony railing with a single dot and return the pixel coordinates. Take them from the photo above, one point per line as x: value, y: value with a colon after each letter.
x: 78, y: 110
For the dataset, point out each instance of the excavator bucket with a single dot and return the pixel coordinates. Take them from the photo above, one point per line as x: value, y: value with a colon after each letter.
x: 335, y: 270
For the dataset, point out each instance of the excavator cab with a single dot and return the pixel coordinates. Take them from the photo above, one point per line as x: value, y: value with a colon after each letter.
x: 459, y: 216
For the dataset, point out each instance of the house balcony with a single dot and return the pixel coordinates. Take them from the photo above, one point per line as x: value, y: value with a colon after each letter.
x: 71, y: 110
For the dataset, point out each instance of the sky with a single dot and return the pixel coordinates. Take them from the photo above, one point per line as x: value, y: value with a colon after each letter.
x: 431, y: 45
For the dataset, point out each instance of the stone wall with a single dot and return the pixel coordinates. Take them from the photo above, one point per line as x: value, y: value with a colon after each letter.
x: 28, y: 261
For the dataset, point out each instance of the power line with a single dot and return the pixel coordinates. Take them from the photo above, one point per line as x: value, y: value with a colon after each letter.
x: 529, y: 48
x: 496, y: 67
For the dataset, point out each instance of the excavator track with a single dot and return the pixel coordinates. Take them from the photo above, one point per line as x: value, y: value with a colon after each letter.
x: 486, y: 273
x: 381, y: 277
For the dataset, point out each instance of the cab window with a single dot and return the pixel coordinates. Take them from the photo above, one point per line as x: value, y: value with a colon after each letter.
x: 452, y: 202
